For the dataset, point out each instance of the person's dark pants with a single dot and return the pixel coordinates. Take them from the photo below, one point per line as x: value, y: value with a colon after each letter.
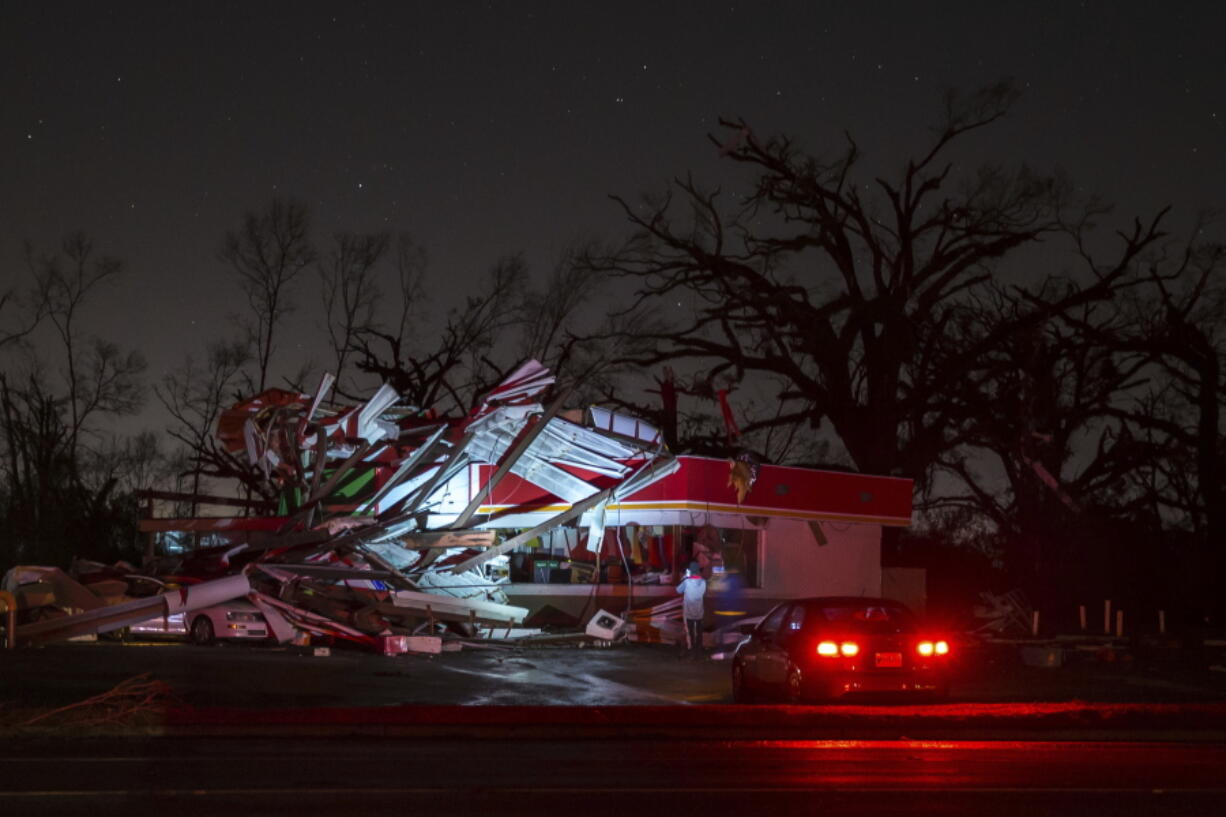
x: 693, y: 626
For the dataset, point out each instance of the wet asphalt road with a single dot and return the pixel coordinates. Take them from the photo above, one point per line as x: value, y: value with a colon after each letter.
x: 644, y: 771
x: 253, y: 676
x: 611, y: 777
x: 626, y: 675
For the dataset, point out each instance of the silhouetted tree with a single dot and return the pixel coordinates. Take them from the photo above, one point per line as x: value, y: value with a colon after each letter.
x: 21, y: 312
x: 1176, y: 321
x: 836, y: 291
x: 195, y: 394
x: 1044, y: 450
x: 65, y: 482
x: 267, y: 253
x: 348, y: 274
x: 450, y: 371
x: 98, y: 377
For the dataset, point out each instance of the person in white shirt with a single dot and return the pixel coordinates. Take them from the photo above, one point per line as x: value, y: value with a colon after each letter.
x: 693, y: 588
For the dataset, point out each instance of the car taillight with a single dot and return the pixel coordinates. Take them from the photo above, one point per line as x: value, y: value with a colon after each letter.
x: 831, y: 649
x: 928, y: 648
x: 942, y: 647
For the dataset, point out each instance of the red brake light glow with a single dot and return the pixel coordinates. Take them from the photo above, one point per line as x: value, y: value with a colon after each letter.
x: 927, y: 648
x: 832, y: 649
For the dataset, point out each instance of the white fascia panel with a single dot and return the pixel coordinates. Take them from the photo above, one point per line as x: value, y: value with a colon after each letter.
x: 560, y: 483
x: 375, y: 406
x: 589, y: 439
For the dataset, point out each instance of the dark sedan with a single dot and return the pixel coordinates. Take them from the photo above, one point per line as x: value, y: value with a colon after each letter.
x: 828, y: 648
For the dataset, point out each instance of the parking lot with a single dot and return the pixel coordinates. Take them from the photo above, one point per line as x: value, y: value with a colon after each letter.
x: 254, y: 676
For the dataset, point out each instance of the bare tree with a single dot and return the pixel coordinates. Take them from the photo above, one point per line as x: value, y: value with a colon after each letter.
x: 554, y: 312
x: 565, y: 324
x: 195, y: 395
x: 464, y: 361
x: 506, y: 320
x: 40, y: 479
x: 1042, y: 447
x: 350, y: 292
x: 838, y: 288
x: 1176, y: 322
x: 266, y: 254
x: 1187, y: 335
x: 20, y: 313
x: 1091, y: 440
x: 412, y: 263
x: 59, y: 479
x: 99, y: 378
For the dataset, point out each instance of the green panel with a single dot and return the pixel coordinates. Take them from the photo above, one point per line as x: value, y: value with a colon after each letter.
x: 289, y: 501
x: 357, y: 483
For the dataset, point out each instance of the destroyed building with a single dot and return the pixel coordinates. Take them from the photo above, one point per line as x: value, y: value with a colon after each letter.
x: 392, y: 524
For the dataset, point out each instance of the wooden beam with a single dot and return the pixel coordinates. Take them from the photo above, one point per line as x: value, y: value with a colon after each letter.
x: 208, y: 499
x: 444, y: 539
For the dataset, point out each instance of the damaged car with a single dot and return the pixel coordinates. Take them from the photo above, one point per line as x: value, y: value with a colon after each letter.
x: 236, y: 620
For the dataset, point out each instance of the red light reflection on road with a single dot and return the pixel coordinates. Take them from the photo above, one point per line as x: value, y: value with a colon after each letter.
x: 928, y: 764
x: 902, y: 743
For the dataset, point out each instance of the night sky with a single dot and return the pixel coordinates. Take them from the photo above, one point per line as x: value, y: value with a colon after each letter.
x: 486, y: 129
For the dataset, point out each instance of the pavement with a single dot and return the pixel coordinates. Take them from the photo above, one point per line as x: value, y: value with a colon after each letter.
x: 339, y: 775
x: 627, y: 690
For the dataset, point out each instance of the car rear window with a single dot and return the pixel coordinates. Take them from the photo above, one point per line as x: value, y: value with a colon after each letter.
x: 870, y: 617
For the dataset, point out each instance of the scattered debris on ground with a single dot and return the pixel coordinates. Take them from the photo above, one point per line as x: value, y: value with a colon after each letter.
x: 137, y: 701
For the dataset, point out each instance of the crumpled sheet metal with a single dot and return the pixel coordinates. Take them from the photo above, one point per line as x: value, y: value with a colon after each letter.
x: 107, y: 618
x: 418, y: 471
x: 384, y: 537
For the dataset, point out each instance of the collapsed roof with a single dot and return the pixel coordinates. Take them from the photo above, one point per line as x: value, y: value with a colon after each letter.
x: 380, y: 530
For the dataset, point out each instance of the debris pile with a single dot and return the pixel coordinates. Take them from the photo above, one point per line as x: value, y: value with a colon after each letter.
x: 380, y: 538
x: 1004, y: 613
